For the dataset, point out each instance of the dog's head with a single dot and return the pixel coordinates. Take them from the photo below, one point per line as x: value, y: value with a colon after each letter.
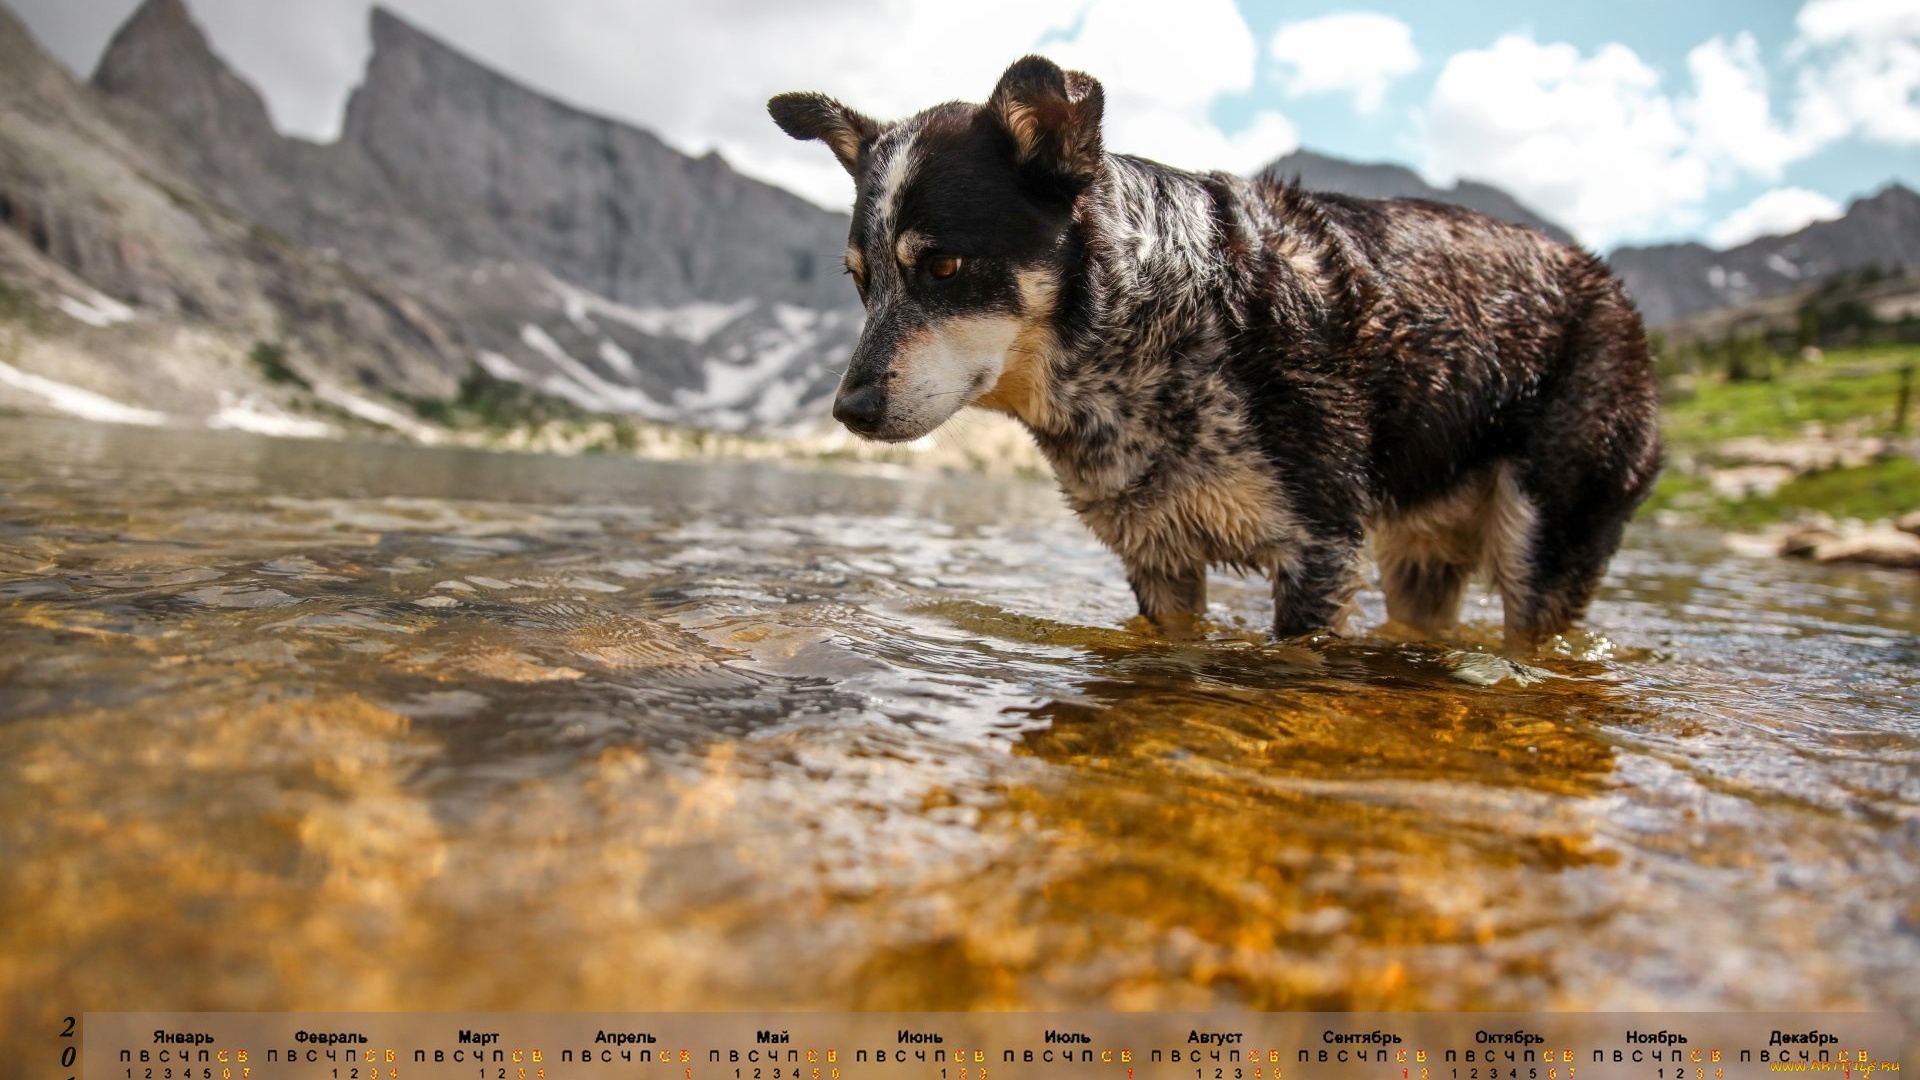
x: 959, y: 244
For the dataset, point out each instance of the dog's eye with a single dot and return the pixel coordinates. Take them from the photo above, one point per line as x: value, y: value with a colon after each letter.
x: 943, y: 267
x: 859, y: 279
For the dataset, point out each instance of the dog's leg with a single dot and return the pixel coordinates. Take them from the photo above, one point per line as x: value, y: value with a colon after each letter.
x: 1426, y: 556
x: 1172, y: 599
x: 1313, y: 589
x: 1423, y: 593
x: 1548, y: 575
x: 1592, y: 456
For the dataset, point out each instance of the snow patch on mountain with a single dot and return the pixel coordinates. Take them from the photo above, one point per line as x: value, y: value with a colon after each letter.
x: 246, y: 412
x: 584, y: 387
x: 749, y: 368
x: 97, y: 310
x: 695, y: 322
x: 75, y: 401
x: 375, y: 413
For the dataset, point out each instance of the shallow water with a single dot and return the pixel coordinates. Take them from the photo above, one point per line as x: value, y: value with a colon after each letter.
x: 292, y: 725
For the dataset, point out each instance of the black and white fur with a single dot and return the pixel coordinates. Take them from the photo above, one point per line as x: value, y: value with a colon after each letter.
x: 1226, y: 372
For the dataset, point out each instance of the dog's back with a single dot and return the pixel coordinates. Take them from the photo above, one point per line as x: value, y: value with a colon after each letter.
x: 1503, y: 388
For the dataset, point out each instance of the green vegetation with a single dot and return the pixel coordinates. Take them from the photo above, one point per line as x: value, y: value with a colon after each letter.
x: 1836, y: 315
x: 625, y: 438
x: 13, y: 306
x: 1849, y: 392
x: 271, y: 361
x: 497, y: 404
x: 1883, y: 489
x: 1851, y: 388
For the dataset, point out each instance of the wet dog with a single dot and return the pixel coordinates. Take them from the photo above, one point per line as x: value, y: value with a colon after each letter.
x: 1241, y: 373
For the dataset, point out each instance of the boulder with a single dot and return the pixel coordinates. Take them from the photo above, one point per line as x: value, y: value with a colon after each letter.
x: 1877, y: 546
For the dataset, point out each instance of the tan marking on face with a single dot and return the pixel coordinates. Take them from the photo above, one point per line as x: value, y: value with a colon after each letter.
x: 910, y: 247
x: 937, y: 370
x: 1025, y: 386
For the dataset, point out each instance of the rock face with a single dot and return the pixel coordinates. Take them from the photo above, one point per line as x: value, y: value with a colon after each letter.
x: 122, y: 277
x: 497, y: 228
x: 1673, y: 281
x: 602, y: 205
x: 1319, y: 172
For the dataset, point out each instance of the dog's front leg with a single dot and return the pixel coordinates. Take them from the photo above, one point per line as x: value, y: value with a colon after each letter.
x: 1172, y: 598
x: 1313, y: 589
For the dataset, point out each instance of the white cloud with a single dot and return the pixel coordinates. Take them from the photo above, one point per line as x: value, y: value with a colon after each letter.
x: 1776, y: 213
x: 699, y: 75
x: 1356, y: 52
x: 1591, y: 141
x: 1861, y: 70
x: 1179, y: 139
x: 1598, y: 143
x: 1162, y: 76
x: 1730, y: 113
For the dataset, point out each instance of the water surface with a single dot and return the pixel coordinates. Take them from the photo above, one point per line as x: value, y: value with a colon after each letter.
x: 294, y: 725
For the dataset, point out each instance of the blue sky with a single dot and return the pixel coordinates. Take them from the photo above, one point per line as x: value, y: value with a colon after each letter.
x: 1628, y: 121
x: 1661, y: 34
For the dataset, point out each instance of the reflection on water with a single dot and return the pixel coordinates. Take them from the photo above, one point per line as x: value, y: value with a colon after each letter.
x: 298, y: 725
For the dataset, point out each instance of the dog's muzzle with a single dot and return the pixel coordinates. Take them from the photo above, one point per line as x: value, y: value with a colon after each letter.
x: 862, y: 408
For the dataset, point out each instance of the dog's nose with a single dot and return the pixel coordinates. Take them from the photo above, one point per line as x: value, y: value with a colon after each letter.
x: 860, y: 408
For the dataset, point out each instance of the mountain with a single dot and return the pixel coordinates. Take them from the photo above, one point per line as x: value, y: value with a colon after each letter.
x: 1674, y: 281
x: 122, y: 281
x: 547, y: 245
x: 578, y: 254
x: 1841, y: 307
x: 1318, y: 172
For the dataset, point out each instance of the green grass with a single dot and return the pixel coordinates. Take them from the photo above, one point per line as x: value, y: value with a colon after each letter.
x: 1849, y: 386
x: 1886, y: 488
x: 498, y: 404
x: 1852, y: 389
x: 13, y: 306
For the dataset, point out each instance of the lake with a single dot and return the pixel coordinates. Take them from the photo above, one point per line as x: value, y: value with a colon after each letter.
x: 309, y: 725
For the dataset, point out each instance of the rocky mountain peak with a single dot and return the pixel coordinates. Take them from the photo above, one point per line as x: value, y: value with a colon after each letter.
x: 160, y: 56
x: 1676, y: 281
x: 600, y: 203
x: 1895, y: 202
x: 22, y: 63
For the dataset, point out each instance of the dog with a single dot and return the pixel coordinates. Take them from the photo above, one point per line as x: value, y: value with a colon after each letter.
x: 1244, y: 374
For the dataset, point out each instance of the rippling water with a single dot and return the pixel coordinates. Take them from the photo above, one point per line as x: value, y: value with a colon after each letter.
x: 304, y: 725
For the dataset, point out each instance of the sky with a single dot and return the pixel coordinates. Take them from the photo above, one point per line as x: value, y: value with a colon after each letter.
x: 1627, y: 121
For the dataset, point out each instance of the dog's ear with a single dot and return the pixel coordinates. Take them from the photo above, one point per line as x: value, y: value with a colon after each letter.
x: 817, y: 116
x: 1053, y: 116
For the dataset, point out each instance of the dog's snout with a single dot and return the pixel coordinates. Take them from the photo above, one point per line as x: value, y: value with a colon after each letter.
x: 860, y: 407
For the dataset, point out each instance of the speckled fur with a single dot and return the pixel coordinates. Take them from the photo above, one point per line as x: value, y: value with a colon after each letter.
x: 1241, y: 373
